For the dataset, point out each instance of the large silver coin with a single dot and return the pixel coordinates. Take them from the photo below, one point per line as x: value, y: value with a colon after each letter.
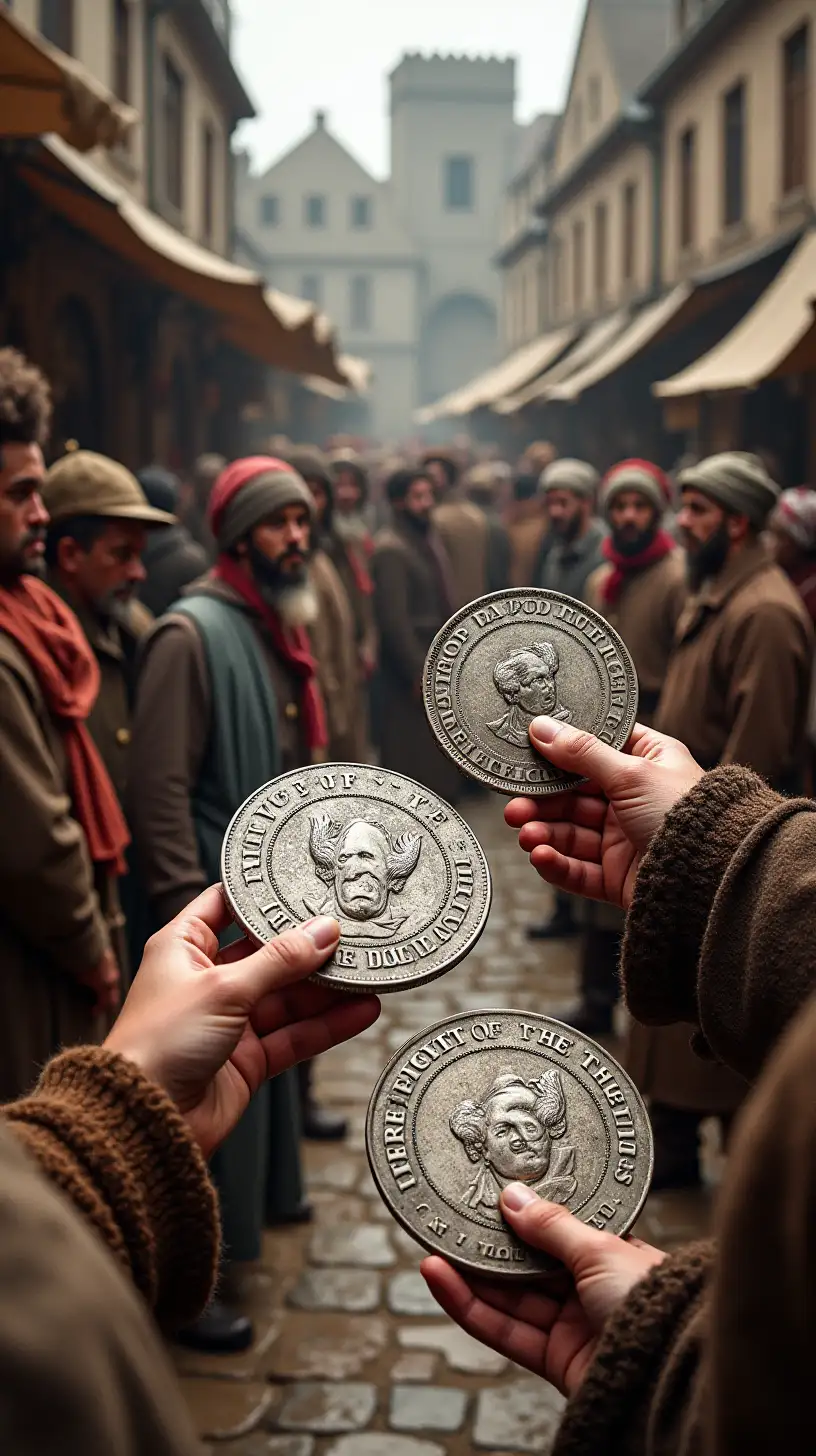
x: 505, y: 658
x: 480, y: 1100
x: 397, y: 866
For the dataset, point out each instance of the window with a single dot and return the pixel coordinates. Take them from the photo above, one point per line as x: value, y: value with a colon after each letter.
x: 600, y: 251
x: 577, y: 122
x: 688, y: 187
x: 795, y: 111
x: 734, y: 155
x: 269, y: 210
x: 56, y: 23
x: 121, y: 49
x: 207, y: 181
x: 314, y: 210
x: 594, y: 98
x: 311, y: 288
x: 360, y: 212
x: 557, y: 282
x: 173, y: 118
x: 578, y: 265
x: 458, y: 182
x: 360, y: 303
x: 630, y: 198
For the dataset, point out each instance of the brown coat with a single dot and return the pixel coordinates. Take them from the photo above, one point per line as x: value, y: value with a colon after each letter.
x: 715, y: 1352
x: 646, y: 614
x: 463, y: 530
x: 411, y: 605
x: 52, y: 925
x: 526, y: 530
x: 105, y: 1209
x: 335, y: 650
x: 736, y: 691
x: 170, y: 737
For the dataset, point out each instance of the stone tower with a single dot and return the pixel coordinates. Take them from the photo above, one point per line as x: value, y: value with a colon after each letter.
x: 451, y: 155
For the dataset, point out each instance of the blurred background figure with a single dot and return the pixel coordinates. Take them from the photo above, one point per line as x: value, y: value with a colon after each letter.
x: 792, y: 532
x: 462, y: 528
x: 485, y: 486
x: 526, y: 527
x: 171, y: 558
x: 195, y: 497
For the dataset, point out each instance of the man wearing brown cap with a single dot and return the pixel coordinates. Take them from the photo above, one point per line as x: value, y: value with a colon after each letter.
x: 228, y: 698
x: 63, y: 835
x: 736, y: 691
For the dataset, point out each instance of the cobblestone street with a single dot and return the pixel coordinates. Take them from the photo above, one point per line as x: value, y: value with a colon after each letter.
x: 352, y: 1358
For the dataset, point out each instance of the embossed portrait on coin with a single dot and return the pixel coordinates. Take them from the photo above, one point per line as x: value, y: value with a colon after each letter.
x: 362, y: 866
x: 513, y: 1133
x: 526, y: 681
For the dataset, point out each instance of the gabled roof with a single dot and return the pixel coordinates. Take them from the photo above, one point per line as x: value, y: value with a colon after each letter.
x: 638, y: 34
x: 320, y: 135
x: 530, y: 141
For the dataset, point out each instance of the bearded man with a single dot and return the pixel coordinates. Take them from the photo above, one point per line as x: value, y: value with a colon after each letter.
x: 227, y: 699
x: 64, y: 838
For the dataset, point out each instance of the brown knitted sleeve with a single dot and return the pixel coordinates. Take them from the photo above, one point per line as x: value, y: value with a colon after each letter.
x: 644, y: 1373
x: 118, y: 1148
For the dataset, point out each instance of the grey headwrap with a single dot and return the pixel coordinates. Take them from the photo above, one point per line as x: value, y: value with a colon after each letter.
x: 258, y: 498
x: 737, y: 481
x: 575, y: 475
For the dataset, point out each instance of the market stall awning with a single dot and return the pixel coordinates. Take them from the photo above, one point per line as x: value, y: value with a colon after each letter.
x: 763, y: 341
x: 644, y: 329
x: 357, y: 372
x: 283, y: 332
x: 44, y: 90
x: 516, y: 370
x: 597, y: 336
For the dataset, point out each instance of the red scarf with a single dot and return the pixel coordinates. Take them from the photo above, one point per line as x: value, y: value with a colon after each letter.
x: 658, y: 547
x: 68, y: 674
x: 291, y: 644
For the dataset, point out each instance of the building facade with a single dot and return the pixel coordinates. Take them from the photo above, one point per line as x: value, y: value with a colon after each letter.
x: 406, y: 266
x: 523, y: 256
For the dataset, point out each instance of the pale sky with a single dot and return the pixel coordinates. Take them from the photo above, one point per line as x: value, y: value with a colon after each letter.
x: 298, y: 56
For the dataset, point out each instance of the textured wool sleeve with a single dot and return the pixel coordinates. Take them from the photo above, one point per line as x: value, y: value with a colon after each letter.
x: 723, y: 920
x: 118, y: 1148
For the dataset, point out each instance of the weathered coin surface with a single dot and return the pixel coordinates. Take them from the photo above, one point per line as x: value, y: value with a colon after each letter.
x: 504, y: 659
x: 398, y: 868
x: 481, y: 1100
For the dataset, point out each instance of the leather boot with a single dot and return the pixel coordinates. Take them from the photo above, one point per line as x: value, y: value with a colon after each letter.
x: 319, y: 1124
x: 562, y: 922
x: 220, y: 1330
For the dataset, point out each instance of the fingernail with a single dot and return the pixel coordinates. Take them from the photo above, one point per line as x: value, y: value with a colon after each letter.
x: 544, y: 729
x: 516, y: 1196
x: 323, y: 931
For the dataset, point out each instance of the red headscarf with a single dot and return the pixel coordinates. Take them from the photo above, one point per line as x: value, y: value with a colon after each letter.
x: 68, y: 674
x: 291, y: 643
x: 655, y: 488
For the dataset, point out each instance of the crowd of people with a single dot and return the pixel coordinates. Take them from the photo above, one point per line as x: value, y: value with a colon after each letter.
x: 165, y: 647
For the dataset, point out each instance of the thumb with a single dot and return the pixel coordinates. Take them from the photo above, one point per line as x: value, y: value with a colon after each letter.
x: 549, y: 1227
x: 576, y: 751
x: 290, y: 957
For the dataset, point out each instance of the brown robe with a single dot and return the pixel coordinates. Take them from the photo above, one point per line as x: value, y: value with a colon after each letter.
x: 526, y: 529
x: 714, y: 1351
x: 463, y: 530
x: 335, y: 650
x: 645, y: 614
x: 52, y: 923
x: 411, y: 605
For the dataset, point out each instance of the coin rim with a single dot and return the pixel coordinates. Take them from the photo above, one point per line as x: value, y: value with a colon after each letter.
x: 492, y: 781
x: 506, y: 1271
x: 332, y: 978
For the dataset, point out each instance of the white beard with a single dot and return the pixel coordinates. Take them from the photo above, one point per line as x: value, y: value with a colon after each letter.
x: 297, y: 606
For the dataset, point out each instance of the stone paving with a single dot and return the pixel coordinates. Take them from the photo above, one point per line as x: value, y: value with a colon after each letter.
x: 352, y: 1357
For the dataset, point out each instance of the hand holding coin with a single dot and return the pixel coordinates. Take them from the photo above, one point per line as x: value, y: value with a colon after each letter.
x: 553, y: 1334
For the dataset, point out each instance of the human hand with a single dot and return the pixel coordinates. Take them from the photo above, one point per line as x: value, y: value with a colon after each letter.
x: 590, y: 840
x: 552, y: 1331
x: 211, y: 1026
x: 104, y: 980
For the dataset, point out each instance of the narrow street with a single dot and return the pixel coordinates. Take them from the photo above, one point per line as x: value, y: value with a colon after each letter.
x: 352, y: 1357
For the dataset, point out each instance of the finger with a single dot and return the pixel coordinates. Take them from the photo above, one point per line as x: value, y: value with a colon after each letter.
x: 296, y: 1003
x: 515, y: 1338
x: 568, y: 839
x: 550, y: 1227
x: 204, y: 920
x: 585, y: 808
x: 574, y: 875
x: 290, y: 957
x: 302, y: 1040
x: 578, y: 752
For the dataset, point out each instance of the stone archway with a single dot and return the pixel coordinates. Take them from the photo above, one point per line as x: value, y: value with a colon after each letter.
x: 459, y: 339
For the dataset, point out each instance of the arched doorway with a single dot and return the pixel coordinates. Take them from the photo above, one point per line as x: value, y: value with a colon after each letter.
x: 75, y: 372
x: 458, y: 342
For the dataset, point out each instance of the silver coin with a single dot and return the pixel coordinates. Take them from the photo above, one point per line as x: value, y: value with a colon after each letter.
x: 398, y: 868
x: 507, y: 657
x: 478, y: 1101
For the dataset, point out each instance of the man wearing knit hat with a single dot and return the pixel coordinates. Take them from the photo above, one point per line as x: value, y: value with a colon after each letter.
x: 640, y: 589
x: 569, y: 553
x: 736, y: 691
x: 792, y: 529
x: 227, y: 699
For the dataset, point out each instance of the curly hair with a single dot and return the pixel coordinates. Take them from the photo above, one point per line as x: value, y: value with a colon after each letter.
x: 25, y: 401
x: 326, y: 837
x: 468, y: 1121
x: 512, y: 673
